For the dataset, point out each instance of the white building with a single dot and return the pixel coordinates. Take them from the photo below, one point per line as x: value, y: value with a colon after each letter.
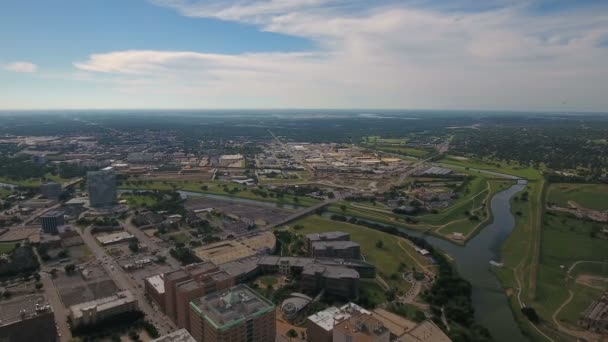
x: 97, y: 310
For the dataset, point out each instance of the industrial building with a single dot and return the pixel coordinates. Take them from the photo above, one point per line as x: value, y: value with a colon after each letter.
x: 51, y: 220
x: 102, y: 188
x: 50, y: 190
x: 26, y: 319
x: 336, y: 249
x: 89, y: 313
x: 237, y: 314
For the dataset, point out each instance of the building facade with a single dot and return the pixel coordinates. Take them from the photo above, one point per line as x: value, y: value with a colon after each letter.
x: 50, y: 190
x: 336, y: 249
x: 237, y: 314
x: 51, y: 220
x: 90, y: 313
x: 102, y: 188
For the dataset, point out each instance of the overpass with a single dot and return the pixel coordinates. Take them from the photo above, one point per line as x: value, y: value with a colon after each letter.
x: 303, y: 212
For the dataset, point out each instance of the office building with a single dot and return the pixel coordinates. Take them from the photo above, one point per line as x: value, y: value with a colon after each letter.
x: 335, y: 280
x: 155, y: 288
x: 320, y: 326
x: 237, y: 314
x: 50, y: 190
x: 326, y: 236
x: 51, y: 220
x: 336, y: 249
x: 89, y: 313
x: 26, y: 319
x: 102, y: 188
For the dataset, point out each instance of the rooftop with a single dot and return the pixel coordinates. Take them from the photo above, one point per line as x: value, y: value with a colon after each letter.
x: 334, y: 244
x: 331, y: 316
x: 114, y: 237
x: 102, y: 304
x: 180, y: 335
x: 22, y: 308
x: 157, y: 282
x: 52, y: 213
x: 361, y: 325
x: 241, y: 247
x: 335, y: 272
x: 327, y: 236
x: 224, y: 309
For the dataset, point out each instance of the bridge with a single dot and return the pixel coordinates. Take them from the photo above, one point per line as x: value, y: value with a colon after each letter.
x: 303, y: 212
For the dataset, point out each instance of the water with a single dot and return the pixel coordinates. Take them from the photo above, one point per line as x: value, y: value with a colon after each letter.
x: 492, y: 309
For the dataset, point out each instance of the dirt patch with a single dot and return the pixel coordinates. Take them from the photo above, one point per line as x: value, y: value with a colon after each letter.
x: 592, y: 281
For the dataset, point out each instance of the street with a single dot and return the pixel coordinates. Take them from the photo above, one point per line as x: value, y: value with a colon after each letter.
x: 125, y: 281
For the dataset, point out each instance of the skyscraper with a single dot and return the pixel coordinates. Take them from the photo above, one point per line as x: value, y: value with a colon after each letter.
x: 102, y: 187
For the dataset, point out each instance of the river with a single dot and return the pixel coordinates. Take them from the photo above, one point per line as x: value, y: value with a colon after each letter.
x: 492, y: 309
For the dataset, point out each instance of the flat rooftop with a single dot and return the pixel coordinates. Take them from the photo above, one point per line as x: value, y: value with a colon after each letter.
x: 327, y: 236
x: 241, y: 247
x: 334, y: 272
x: 334, y: 244
x: 22, y: 308
x: 226, y: 308
x: 157, y: 282
x: 103, y: 304
x: 114, y: 237
x: 180, y: 335
x: 331, y: 316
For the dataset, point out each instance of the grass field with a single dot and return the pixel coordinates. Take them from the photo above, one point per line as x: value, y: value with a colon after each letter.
x: 537, y: 263
x: 371, y: 290
x: 591, y: 196
x: 6, y: 248
x: 414, y: 152
x: 501, y: 167
x: 4, y: 192
x: 139, y: 201
x: 389, y: 259
x: 214, y: 187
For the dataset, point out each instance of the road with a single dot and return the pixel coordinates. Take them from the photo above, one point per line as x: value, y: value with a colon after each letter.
x: 59, y: 310
x: 151, y: 244
x: 125, y: 281
x: 305, y: 211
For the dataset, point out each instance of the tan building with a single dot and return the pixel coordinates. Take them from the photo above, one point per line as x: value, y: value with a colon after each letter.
x: 103, y: 308
x: 241, y: 247
x: 404, y: 330
x: 237, y: 314
x: 361, y: 328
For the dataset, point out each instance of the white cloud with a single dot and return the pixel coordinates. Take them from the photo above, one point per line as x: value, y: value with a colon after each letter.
x: 23, y: 67
x: 388, y: 56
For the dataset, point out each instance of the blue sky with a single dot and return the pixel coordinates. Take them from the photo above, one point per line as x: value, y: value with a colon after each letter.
x: 464, y: 54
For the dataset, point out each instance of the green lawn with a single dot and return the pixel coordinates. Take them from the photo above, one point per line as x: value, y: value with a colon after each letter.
x: 592, y: 196
x: 6, y: 248
x: 414, y: 152
x: 374, y: 293
x: 216, y: 188
x: 30, y: 183
x: 4, y: 192
x: 139, y: 201
x: 387, y: 259
x: 512, y: 169
x: 269, y: 280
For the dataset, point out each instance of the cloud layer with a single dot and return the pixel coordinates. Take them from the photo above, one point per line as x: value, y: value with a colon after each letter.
x: 22, y: 67
x: 390, y: 55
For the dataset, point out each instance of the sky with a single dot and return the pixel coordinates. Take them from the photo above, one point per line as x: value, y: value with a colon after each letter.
x: 536, y: 55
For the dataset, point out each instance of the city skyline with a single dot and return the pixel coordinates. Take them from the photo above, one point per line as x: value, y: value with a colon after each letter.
x: 160, y: 54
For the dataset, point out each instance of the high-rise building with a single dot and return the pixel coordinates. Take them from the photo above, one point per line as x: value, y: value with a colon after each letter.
x: 237, y: 314
x: 51, y: 220
x: 102, y: 187
x: 50, y: 190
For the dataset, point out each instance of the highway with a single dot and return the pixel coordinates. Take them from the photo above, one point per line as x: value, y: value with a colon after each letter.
x: 305, y: 211
x: 125, y: 281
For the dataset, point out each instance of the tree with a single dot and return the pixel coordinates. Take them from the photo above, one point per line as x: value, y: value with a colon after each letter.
x: 380, y: 244
x: 134, y: 246
x: 38, y: 286
x: 70, y: 268
x: 292, y: 333
x: 343, y: 208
